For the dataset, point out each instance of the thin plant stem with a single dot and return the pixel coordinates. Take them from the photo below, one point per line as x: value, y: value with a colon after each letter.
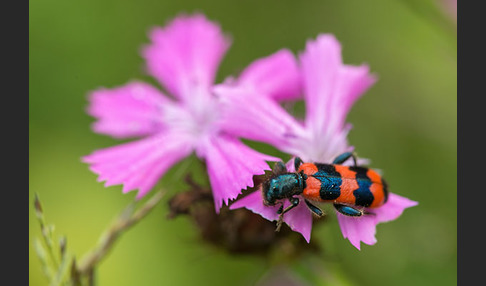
x: 106, y: 241
x: 46, y: 231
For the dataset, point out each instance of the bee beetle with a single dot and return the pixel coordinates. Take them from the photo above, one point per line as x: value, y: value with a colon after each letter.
x: 349, y: 188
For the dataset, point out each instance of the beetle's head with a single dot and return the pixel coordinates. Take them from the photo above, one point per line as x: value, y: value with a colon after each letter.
x: 280, y: 187
x: 269, y: 190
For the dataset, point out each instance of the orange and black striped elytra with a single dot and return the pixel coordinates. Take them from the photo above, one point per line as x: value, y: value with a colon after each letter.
x: 351, y: 189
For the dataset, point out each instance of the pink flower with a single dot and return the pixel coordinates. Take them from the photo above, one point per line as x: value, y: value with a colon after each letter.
x: 183, y: 57
x: 363, y: 228
x: 330, y: 88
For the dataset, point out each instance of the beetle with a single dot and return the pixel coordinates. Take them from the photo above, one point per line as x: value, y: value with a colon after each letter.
x: 350, y: 189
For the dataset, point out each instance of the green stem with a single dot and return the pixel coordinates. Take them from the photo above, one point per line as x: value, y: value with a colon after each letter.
x: 86, y: 266
x: 47, y: 235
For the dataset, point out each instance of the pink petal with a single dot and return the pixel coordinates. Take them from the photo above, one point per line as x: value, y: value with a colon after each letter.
x: 358, y: 229
x: 298, y: 219
x: 231, y: 166
x: 131, y: 110
x: 254, y: 202
x: 353, y: 82
x: 276, y: 75
x: 330, y: 87
x: 185, y: 55
x: 393, y: 208
x: 254, y: 116
x: 364, y: 228
x: 322, y: 148
x: 139, y: 164
x: 290, y: 165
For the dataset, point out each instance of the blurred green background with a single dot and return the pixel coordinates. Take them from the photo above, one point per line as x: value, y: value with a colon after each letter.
x: 406, y: 123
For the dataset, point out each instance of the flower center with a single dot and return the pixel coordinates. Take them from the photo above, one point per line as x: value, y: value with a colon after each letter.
x: 197, y: 118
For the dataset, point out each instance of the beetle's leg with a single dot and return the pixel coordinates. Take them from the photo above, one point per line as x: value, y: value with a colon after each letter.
x: 293, y: 203
x: 317, y: 211
x: 348, y: 210
x: 367, y: 212
x: 345, y: 156
x: 279, y: 168
x: 297, y: 163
